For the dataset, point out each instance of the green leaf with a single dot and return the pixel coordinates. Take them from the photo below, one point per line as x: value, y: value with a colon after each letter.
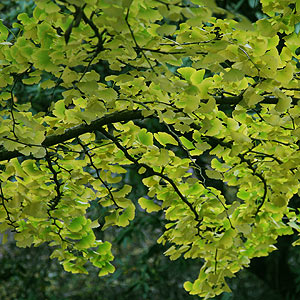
x: 213, y: 174
x: 284, y: 101
x: 226, y: 240
x: 251, y: 97
x: 59, y: 109
x: 77, y: 224
x: 187, y: 72
x: 29, y: 166
x: 285, y: 75
x: 188, y: 286
x: 104, y: 248
x: 42, y: 60
x: 108, y: 94
x: 87, y: 241
x: 244, y: 195
x: 148, y: 205
x: 197, y: 77
x: 3, y: 32
x: 188, y: 144
x: 127, y: 215
x: 108, y: 268
x: 233, y: 75
x: 145, y: 137
x: 164, y: 138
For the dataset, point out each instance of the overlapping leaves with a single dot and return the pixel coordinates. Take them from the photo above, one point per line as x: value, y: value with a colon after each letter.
x: 235, y: 104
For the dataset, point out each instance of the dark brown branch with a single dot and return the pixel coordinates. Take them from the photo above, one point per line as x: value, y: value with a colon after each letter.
x: 236, y: 99
x: 76, y: 131
x: 216, y: 260
x: 122, y: 116
x: 260, y: 154
x: 55, y: 201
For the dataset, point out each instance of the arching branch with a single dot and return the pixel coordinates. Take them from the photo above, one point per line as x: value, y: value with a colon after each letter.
x: 121, y: 116
x: 76, y: 131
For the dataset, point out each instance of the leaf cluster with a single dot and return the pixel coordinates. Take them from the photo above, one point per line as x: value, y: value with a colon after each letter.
x: 228, y: 119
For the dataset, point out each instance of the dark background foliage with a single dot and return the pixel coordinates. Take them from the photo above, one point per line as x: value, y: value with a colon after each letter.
x: 142, y: 271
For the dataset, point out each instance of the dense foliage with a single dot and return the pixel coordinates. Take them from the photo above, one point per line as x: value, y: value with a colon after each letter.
x: 197, y: 101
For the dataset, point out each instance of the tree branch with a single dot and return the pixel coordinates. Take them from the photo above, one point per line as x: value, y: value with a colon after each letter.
x: 152, y: 172
x: 76, y: 131
x: 122, y: 116
x: 233, y: 100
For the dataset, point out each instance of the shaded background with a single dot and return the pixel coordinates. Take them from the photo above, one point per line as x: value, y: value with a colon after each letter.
x: 142, y: 271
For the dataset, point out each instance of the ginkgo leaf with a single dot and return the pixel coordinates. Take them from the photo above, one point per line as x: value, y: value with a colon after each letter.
x: 284, y: 102
x: 188, y: 286
x: 108, y: 268
x: 244, y: 195
x: 3, y: 32
x: 233, y: 75
x: 213, y: 174
x: 164, y: 138
x: 77, y: 224
x: 145, y: 137
x: 251, y: 97
x: 42, y: 60
x: 148, y: 205
x: 31, y: 168
x: 286, y: 74
x: 59, y: 109
x: 108, y: 94
x: 86, y: 241
x: 127, y: 215
x: 197, y: 77
x: 187, y: 72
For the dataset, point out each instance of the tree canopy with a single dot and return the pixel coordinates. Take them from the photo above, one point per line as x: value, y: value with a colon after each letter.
x: 196, y: 99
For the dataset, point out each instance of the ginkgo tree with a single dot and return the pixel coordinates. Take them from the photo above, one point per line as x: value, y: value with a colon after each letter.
x: 220, y: 88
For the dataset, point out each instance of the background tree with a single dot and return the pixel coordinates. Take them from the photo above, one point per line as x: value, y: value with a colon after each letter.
x: 213, y: 106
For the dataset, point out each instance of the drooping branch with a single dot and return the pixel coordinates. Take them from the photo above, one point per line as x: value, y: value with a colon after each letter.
x: 121, y: 116
x: 76, y: 131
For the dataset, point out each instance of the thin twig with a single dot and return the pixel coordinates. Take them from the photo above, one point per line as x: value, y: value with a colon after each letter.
x: 136, y: 44
x: 151, y: 171
x: 86, y: 151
